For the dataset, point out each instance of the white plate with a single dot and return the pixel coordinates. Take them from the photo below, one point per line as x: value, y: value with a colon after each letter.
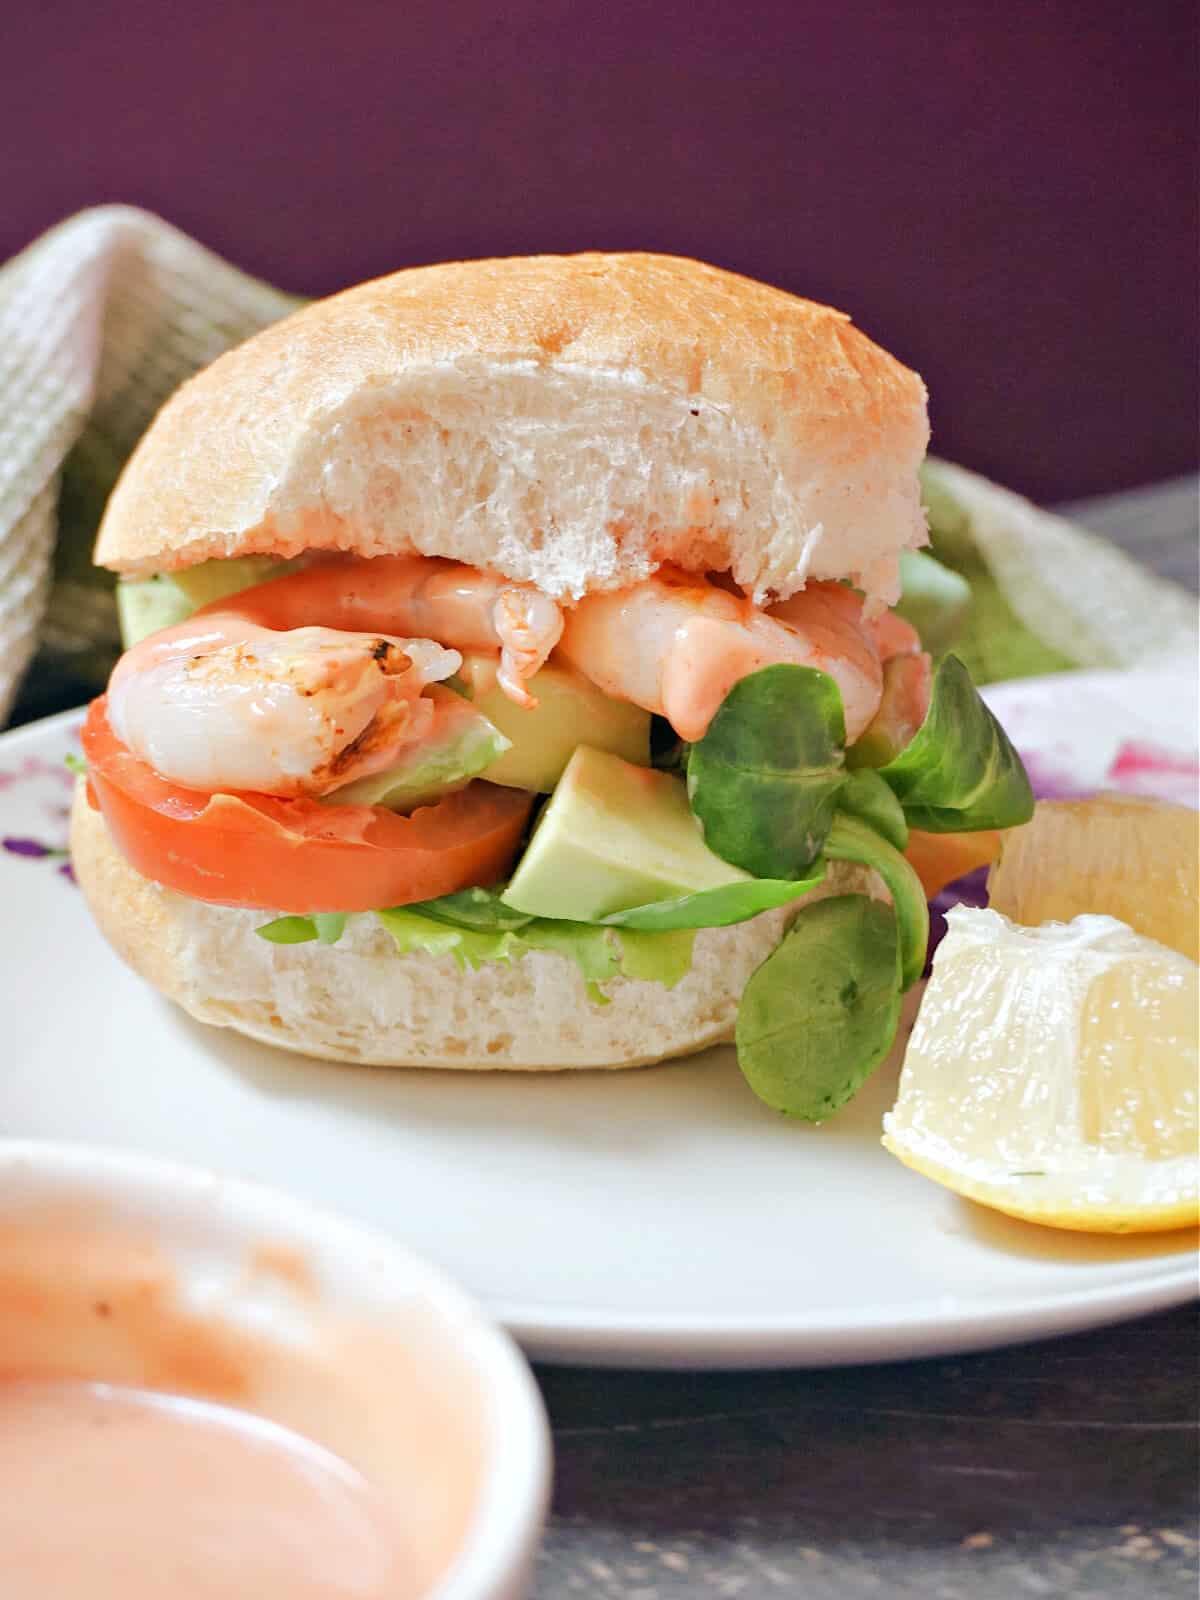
x: 661, y: 1217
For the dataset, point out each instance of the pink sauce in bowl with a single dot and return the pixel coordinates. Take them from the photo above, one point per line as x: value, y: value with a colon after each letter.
x: 126, y: 1494
x: 209, y: 1391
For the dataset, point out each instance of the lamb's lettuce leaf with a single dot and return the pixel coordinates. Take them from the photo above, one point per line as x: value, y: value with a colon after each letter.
x: 851, y: 839
x: 706, y: 908
x: 481, y: 909
x: 821, y: 1012
x: 768, y: 776
x: 865, y: 794
x: 960, y: 772
x: 716, y: 908
x: 764, y: 779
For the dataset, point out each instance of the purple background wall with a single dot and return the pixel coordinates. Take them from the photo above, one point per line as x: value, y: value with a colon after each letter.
x: 1004, y: 194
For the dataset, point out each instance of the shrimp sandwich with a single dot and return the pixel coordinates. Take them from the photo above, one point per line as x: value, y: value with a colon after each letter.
x: 511, y: 682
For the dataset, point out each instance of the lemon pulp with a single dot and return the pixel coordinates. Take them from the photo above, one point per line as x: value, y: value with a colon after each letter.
x: 1133, y: 858
x: 1052, y: 1074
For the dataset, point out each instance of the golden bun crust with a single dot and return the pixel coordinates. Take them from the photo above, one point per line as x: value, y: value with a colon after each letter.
x: 359, y: 1001
x: 574, y: 421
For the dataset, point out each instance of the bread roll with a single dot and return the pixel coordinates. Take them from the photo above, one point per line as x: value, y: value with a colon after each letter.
x: 360, y: 1001
x: 574, y: 421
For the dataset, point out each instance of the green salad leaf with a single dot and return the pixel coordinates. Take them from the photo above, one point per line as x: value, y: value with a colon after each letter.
x: 655, y: 957
x: 416, y: 934
x: 851, y: 839
x: 325, y: 927
x: 960, y: 771
x: 599, y: 953
x: 460, y: 744
x: 715, y: 908
x: 821, y: 1012
x: 764, y: 779
x: 477, y: 929
x: 602, y: 953
x: 482, y: 909
x: 865, y: 794
x: 289, y: 930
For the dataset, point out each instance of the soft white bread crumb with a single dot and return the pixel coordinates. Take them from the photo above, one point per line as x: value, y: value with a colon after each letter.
x: 571, y: 420
x: 360, y: 1001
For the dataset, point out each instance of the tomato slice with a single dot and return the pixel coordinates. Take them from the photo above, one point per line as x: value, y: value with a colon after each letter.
x: 940, y: 858
x: 297, y: 856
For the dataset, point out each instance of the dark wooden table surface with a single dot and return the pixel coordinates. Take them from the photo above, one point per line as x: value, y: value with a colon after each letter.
x: 1063, y: 1468
x: 1067, y: 1468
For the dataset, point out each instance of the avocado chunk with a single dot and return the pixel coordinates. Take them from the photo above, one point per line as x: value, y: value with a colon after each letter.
x: 213, y: 580
x: 570, y: 710
x: 460, y: 745
x: 612, y: 836
x: 144, y: 605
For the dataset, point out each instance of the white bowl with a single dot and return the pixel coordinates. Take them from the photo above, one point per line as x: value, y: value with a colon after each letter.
x: 118, y: 1269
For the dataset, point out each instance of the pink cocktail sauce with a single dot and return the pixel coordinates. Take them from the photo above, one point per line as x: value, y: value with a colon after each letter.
x: 123, y: 1494
x: 221, y: 1430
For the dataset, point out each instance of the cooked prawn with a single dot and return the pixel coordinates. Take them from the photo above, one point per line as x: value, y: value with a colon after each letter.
x: 676, y: 644
x: 219, y: 702
x: 893, y: 636
x: 422, y: 596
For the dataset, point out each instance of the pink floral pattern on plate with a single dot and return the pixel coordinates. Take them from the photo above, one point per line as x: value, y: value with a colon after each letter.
x: 1162, y: 774
x: 45, y: 787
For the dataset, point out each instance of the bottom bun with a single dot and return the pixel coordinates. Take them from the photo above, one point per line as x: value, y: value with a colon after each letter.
x: 359, y: 1001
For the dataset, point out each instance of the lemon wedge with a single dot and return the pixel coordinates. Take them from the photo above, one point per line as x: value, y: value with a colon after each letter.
x: 1052, y: 1074
x: 1134, y: 858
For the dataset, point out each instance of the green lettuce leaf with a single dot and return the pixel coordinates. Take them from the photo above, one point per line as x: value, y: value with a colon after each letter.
x: 850, y: 839
x: 474, y: 908
x: 764, y: 779
x: 715, y: 908
x: 412, y: 933
x: 960, y: 771
x: 663, y: 958
x: 865, y: 794
x: 289, y: 930
x: 460, y: 744
x: 706, y: 908
x: 600, y: 953
x: 821, y: 1012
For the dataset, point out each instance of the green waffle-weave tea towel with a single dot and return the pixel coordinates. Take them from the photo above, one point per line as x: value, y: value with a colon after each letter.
x: 106, y: 314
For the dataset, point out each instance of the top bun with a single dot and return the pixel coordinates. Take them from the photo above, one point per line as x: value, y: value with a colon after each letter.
x: 574, y: 421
